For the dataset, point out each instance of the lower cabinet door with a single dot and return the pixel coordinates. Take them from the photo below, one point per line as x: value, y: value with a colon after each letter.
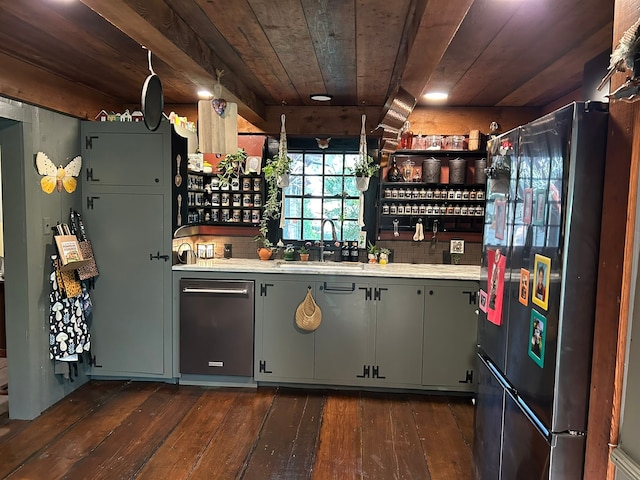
x: 344, y: 339
x: 399, y: 322
x: 129, y: 321
x: 283, y: 351
x: 450, y: 336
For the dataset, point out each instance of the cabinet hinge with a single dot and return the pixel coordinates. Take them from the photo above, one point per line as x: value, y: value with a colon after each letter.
x: 376, y: 371
x: 366, y: 371
x: 378, y: 293
x: 367, y: 292
x: 473, y: 297
x: 88, y: 142
x: 468, y: 378
x: 90, y: 202
x: 262, y: 367
x: 90, y: 176
x: 263, y: 288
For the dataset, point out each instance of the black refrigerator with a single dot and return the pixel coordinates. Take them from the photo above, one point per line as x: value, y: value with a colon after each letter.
x: 537, y: 295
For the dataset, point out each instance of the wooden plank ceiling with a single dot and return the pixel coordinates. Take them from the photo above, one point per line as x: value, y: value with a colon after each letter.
x: 80, y: 55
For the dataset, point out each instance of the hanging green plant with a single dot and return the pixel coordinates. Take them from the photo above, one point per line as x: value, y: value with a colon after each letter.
x: 231, y: 166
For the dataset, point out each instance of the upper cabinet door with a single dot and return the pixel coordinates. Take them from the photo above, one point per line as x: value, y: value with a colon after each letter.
x: 124, y: 154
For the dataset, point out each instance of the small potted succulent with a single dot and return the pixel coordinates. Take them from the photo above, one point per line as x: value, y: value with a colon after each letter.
x: 372, y: 253
x: 304, y: 251
x: 383, y: 257
x: 289, y: 252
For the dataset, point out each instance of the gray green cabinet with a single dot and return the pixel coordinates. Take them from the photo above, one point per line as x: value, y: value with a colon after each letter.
x: 127, y: 190
x: 371, y: 333
x: 450, y: 335
x: 283, y: 352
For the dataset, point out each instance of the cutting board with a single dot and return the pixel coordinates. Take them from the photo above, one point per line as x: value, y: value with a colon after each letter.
x: 217, y: 133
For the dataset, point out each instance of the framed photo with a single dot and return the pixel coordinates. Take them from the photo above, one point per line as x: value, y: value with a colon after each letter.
x: 539, y: 213
x: 456, y: 246
x: 541, y: 273
x: 527, y: 209
x: 496, y: 265
x: 483, y: 301
x: 500, y: 217
x: 523, y: 295
x: 537, y: 337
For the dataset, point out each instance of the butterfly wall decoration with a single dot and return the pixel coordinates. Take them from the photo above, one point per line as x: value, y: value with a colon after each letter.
x: 58, y: 177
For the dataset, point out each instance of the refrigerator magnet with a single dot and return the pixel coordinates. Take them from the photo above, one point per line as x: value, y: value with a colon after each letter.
x: 483, y: 301
x: 527, y: 206
x: 496, y: 262
x: 540, y: 294
x: 538, y: 339
x: 500, y: 218
x: 524, y: 287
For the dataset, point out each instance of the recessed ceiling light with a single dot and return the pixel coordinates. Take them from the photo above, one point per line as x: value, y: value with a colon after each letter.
x: 436, y: 96
x: 321, y: 97
x: 204, y: 94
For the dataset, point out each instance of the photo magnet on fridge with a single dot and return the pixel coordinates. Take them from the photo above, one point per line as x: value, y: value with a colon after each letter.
x: 500, y: 217
x: 524, y: 287
x: 537, y: 335
x: 539, y: 214
x: 483, y: 301
x: 541, y: 269
x: 496, y: 262
x: 527, y: 206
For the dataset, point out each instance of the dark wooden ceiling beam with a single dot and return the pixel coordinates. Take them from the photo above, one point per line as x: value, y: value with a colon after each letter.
x: 438, y: 25
x: 25, y: 82
x: 379, y: 28
x: 542, y: 88
x: 332, y: 32
x: 238, y: 24
x: 153, y: 24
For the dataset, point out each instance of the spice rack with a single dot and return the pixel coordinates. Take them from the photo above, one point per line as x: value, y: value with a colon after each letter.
x: 457, y: 208
x: 238, y: 203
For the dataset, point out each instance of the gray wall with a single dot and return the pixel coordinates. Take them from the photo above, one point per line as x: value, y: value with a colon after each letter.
x: 25, y: 130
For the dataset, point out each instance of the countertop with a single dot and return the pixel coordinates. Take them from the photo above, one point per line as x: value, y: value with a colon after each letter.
x: 401, y: 270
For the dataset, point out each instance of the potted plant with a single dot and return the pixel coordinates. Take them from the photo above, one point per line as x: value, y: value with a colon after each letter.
x: 304, y: 251
x: 231, y: 165
x: 277, y: 170
x: 383, y: 257
x: 372, y: 253
x: 364, y: 169
x: 265, y: 247
x: 455, y: 258
x: 289, y: 252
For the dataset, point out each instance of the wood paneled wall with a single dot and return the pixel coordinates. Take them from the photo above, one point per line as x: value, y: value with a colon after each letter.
x: 614, y: 276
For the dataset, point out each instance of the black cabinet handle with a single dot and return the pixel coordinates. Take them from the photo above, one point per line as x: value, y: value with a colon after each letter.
x: 339, y: 287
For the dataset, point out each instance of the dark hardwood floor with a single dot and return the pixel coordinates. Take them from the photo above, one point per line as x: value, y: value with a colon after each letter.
x: 124, y: 430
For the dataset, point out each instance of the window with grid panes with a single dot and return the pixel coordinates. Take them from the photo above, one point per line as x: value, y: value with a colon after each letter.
x: 321, y: 187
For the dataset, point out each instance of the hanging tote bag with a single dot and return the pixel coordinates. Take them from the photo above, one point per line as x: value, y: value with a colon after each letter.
x: 90, y: 269
x: 308, y: 314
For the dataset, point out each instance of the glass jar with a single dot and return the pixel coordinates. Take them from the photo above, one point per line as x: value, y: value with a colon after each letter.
x: 385, y: 209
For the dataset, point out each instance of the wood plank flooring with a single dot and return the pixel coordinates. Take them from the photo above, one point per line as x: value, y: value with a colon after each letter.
x: 139, y: 430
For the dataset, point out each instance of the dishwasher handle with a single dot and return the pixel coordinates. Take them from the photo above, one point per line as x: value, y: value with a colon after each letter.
x: 219, y: 291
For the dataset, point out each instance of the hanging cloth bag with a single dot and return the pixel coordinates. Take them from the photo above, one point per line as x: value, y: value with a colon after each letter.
x: 90, y: 269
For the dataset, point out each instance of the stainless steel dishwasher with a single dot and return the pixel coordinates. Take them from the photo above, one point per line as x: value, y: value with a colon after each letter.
x: 216, y: 327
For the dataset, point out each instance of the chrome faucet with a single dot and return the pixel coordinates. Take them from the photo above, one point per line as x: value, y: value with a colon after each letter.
x: 333, y: 236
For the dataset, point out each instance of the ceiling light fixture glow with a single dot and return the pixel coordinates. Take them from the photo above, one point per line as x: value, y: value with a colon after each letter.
x: 204, y: 94
x: 436, y: 96
x: 321, y: 97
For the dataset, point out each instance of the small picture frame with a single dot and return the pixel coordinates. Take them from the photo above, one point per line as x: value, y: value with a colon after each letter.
x: 541, y: 274
x: 456, y: 246
x: 483, y: 301
x: 537, y: 337
x: 523, y: 295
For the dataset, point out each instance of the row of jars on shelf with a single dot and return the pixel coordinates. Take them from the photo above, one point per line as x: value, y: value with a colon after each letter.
x: 224, y: 215
x: 245, y: 184
x: 224, y: 199
x: 431, y: 209
x: 433, y: 194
